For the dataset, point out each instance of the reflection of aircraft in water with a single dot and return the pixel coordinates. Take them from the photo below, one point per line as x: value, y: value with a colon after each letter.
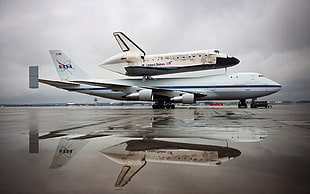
x: 134, y: 154
x: 191, y: 123
x: 66, y: 149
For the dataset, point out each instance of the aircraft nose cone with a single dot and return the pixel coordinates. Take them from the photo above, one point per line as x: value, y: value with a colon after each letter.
x: 234, y: 60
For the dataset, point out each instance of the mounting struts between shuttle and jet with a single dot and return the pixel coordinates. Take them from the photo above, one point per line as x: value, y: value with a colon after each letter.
x: 163, y: 91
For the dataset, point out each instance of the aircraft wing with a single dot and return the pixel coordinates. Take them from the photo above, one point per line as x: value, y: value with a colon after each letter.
x: 129, y: 89
x: 172, y: 92
x: 115, y: 87
x: 58, y: 84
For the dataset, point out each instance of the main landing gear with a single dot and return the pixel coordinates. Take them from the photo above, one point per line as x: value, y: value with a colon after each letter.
x: 242, y: 104
x: 162, y: 105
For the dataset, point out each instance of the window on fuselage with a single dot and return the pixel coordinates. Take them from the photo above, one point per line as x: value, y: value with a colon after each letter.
x: 261, y: 76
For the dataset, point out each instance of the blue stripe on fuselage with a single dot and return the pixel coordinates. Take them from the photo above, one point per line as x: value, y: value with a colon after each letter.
x: 223, y: 86
x: 187, y: 87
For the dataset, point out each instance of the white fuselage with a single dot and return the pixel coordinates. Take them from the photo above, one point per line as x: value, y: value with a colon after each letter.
x: 133, y: 61
x: 134, y: 64
x: 163, y: 152
x: 233, y: 86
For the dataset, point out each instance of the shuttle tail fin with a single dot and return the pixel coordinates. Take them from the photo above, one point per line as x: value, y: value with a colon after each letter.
x: 126, y: 44
x: 127, y: 172
x: 67, y: 69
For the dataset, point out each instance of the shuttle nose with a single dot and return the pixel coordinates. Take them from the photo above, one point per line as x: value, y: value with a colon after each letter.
x: 227, y: 61
x: 233, y: 60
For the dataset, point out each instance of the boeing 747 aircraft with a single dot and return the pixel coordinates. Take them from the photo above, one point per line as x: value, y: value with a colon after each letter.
x: 134, y: 62
x: 163, y: 91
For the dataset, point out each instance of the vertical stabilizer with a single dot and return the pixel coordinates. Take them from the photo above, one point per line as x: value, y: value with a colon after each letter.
x: 126, y: 44
x: 127, y: 172
x: 67, y: 69
x: 66, y: 149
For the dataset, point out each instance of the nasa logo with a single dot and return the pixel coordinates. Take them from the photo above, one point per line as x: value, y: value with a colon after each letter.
x: 65, y: 65
x: 65, y: 152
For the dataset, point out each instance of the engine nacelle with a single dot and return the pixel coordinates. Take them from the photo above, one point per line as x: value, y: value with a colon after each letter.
x: 185, y: 98
x: 143, y: 95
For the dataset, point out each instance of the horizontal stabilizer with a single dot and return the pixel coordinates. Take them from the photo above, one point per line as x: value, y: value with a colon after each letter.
x: 33, y: 141
x: 33, y: 77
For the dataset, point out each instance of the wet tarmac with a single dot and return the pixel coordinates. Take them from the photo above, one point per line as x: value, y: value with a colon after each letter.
x: 141, y: 150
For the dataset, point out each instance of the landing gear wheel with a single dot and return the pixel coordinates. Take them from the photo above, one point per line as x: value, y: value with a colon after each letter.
x: 242, y: 104
x: 169, y: 105
x: 162, y: 105
x: 253, y: 105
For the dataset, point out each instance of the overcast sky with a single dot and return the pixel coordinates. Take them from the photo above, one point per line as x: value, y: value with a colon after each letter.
x: 270, y: 37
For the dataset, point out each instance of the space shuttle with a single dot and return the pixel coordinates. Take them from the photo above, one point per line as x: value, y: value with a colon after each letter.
x: 133, y: 61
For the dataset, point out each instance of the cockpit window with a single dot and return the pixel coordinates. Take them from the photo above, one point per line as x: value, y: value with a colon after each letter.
x: 261, y: 76
x: 217, y: 51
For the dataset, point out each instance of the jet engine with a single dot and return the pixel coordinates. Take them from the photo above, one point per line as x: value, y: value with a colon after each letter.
x: 143, y: 95
x: 184, y: 98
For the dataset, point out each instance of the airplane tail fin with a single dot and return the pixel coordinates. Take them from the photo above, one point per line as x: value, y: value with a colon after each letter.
x: 66, y: 149
x: 67, y: 69
x: 126, y: 44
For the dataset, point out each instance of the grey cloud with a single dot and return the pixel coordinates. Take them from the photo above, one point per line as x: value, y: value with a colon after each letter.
x: 271, y: 37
